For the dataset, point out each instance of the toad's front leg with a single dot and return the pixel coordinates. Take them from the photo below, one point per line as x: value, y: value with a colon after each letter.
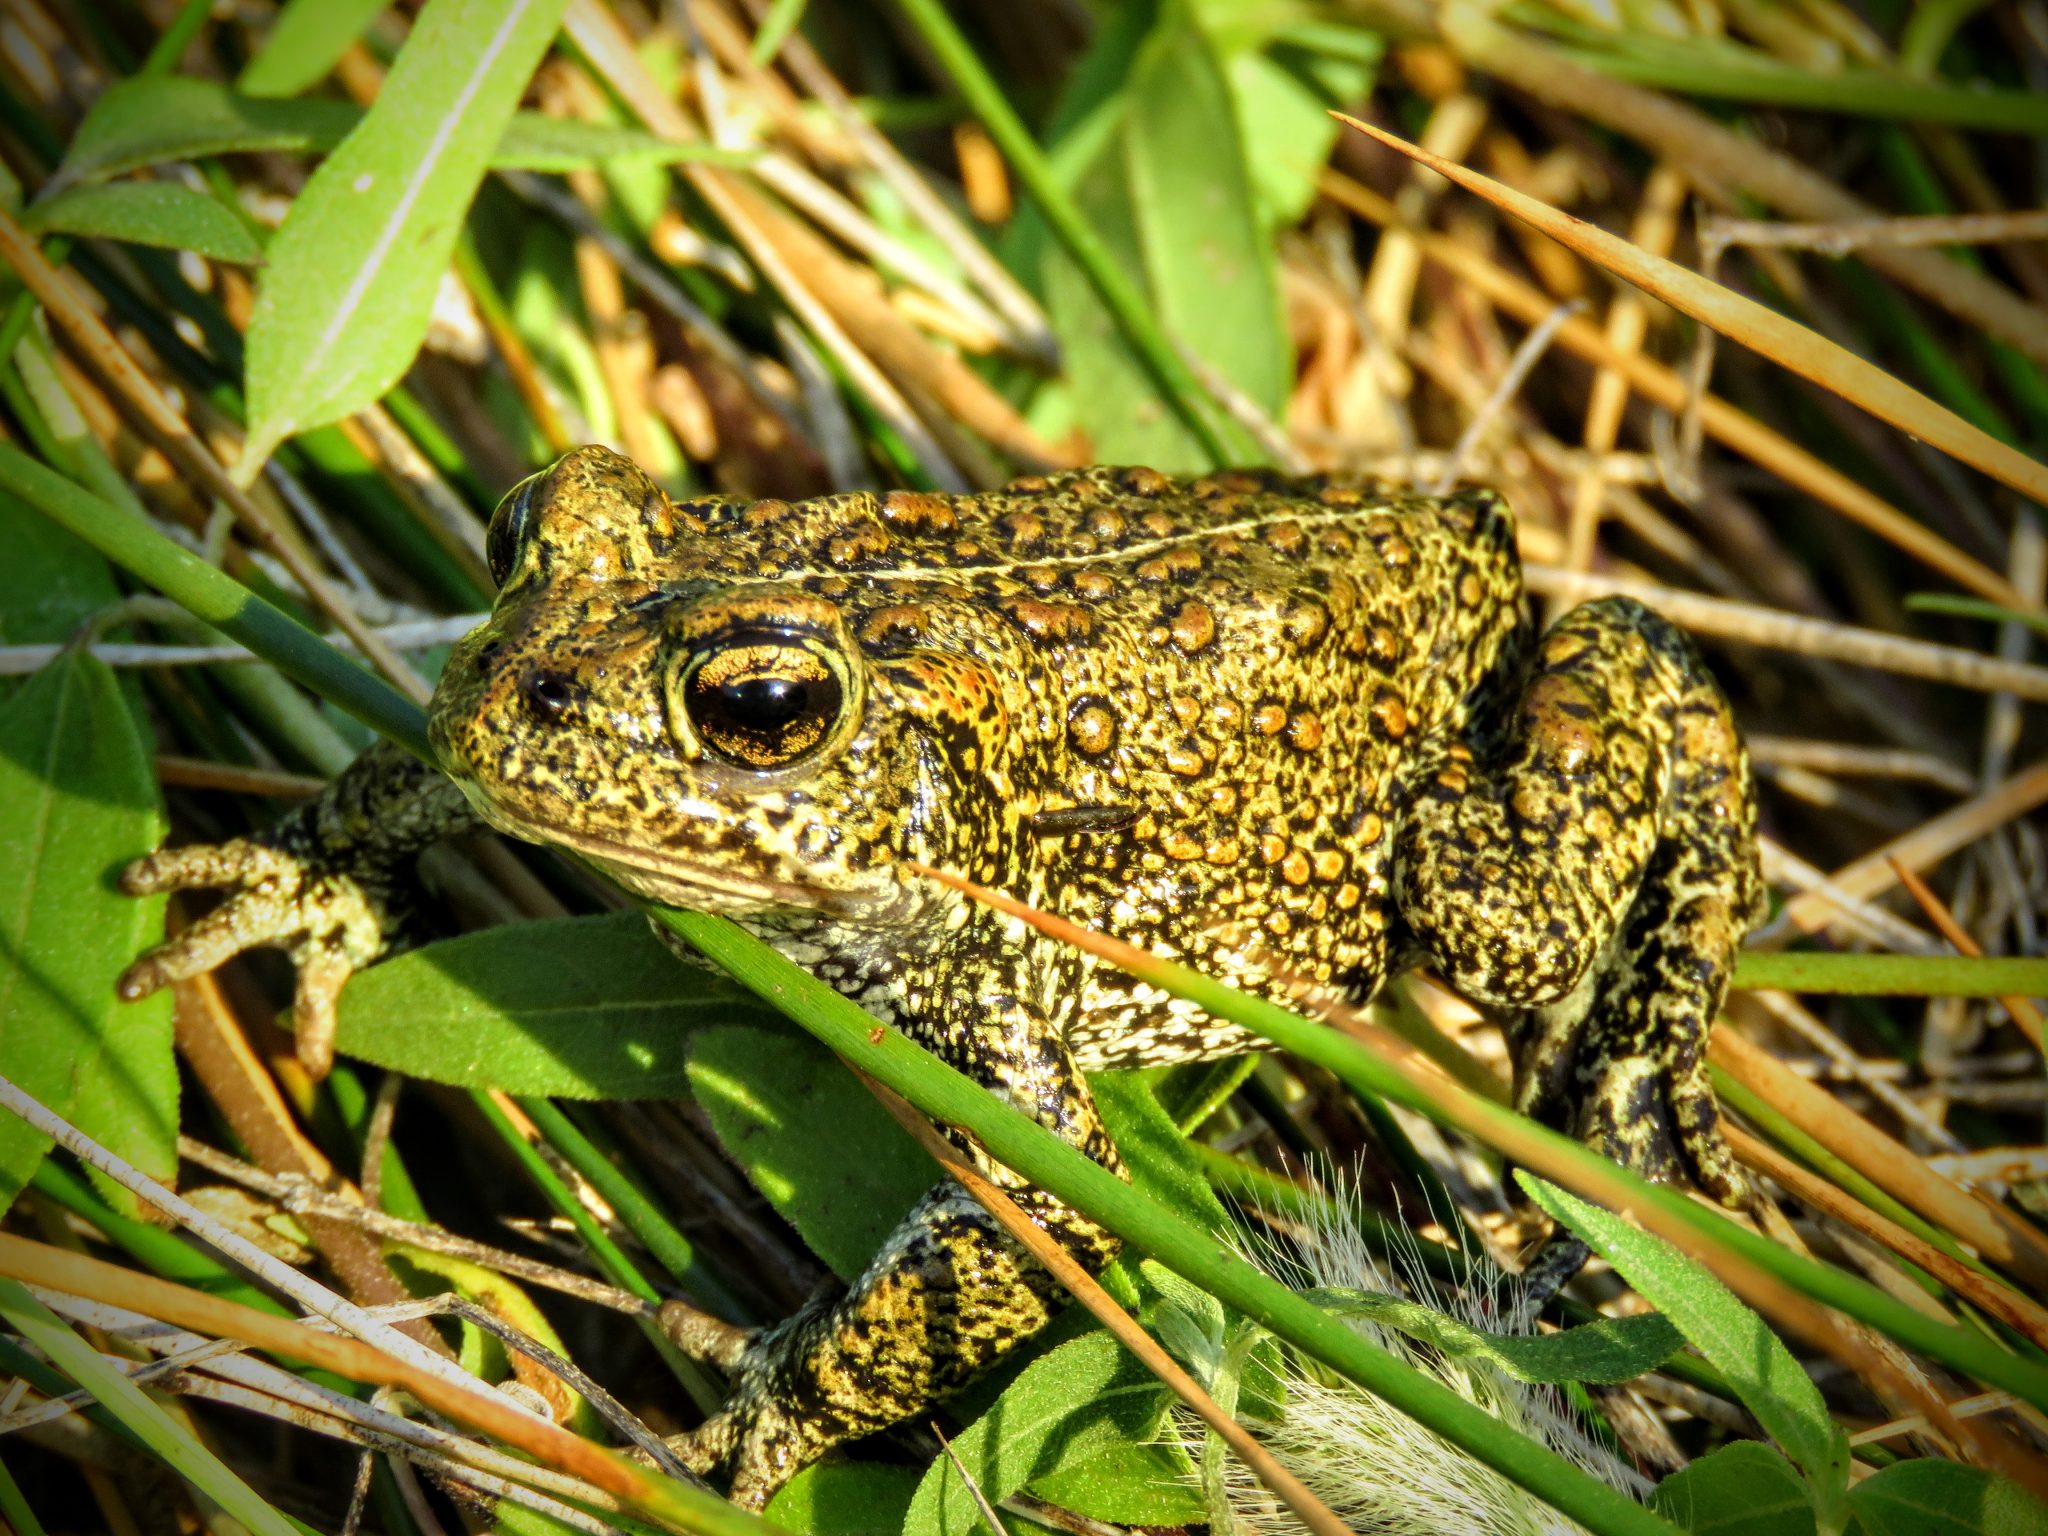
x: 332, y: 884
x: 948, y: 1296
x: 1596, y: 870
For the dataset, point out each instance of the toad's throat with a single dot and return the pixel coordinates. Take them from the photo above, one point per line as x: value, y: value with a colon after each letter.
x: 683, y: 879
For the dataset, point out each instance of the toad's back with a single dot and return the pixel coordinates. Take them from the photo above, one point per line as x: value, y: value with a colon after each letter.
x: 1209, y: 690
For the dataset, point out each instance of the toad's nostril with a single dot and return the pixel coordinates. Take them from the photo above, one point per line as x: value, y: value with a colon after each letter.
x: 550, y: 694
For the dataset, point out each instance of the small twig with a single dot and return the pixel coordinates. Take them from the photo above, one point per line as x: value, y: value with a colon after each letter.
x: 1854, y: 915
x: 2024, y: 1014
x: 1927, y: 844
x: 1527, y: 355
x: 2017, y: 1311
x: 995, y: 1522
x: 1842, y: 759
x: 303, y: 1197
x: 377, y: 1137
x: 464, y: 1397
x: 233, y: 778
x: 1884, y: 1161
x: 277, y: 1274
x: 1752, y: 624
x: 1913, y: 1424
x: 1661, y: 386
x: 1838, y: 239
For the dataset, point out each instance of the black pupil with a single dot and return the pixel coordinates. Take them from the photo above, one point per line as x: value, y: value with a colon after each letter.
x: 764, y: 703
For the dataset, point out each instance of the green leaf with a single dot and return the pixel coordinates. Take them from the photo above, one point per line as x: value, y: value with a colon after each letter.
x: 1610, y: 1350
x: 1743, y: 1489
x: 1929, y: 1497
x: 1141, y: 1483
x: 1143, y: 177
x: 159, y: 213
x: 578, y: 1008
x: 1208, y: 261
x: 1283, y: 104
x: 534, y: 141
x: 50, y: 582
x: 767, y: 1092
x: 344, y: 305
x: 1772, y: 1384
x: 844, y: 1498
x: 304, y: 43
x: 78, y: 799
x: 1085, y: 1399
x: 1153, y: 1149
x: 151, y: 120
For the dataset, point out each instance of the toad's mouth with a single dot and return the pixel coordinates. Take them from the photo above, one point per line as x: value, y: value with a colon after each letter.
x: 682, y: 880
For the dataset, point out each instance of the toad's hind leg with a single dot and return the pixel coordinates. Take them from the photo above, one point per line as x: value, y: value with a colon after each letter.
x: 949, y: 1294
x: 1593, y: 870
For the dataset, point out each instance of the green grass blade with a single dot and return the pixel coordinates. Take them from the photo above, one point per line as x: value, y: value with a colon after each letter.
x: 177, y: 1446
x: 1892, y: 975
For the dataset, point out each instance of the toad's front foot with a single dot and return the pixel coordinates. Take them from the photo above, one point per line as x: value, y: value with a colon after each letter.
x: 331, y: 884
x: 331, y: 923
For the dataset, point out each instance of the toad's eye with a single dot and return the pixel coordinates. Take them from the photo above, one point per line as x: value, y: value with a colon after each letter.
x: 510, y: 524
x: 759, y: 698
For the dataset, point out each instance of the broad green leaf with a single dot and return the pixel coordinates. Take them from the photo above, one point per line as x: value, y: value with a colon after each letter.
x: 1743, y: 1489
x: 50, y: 582
x: 1772, y: 1384
x: 1142, y: 209
x: 345, y: 301
x: 844, y: 1498
x: 151, y: 120
x: 1085, y: 1399
x: 159, y: 213
x: 1141, y: 1483
x: 816, y: 1143
x: 1208, y: 260
x: 1283, y: 99
x: 579, y: 1008
x: 78, y: 799
x: 1609, y: 1350
x: 305, y: 41
x: 1929, y: 1497
x: 1153, y: 1149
